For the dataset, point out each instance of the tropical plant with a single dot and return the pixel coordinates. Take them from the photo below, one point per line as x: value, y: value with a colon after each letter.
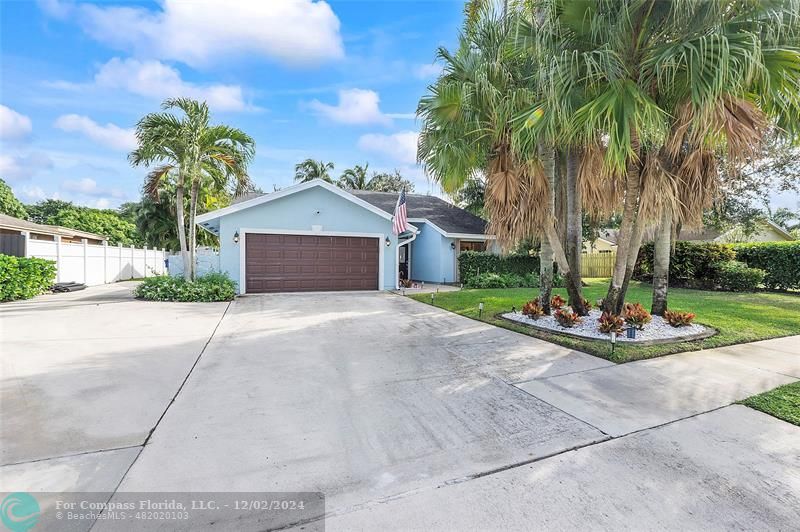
x: 390, y: 182
x: 557, y: 302
x: 609, y: 322
x: 355, y: 178
x: 105, y: 222
x: 310, y: 170
x: 636, y: 315
x: 9, y: 204
x: 206, y: 288
x: 533, y: 309
x: 566, y: 318
x: 193, y: 153
x: 25, y: 277
x: 677, y: 318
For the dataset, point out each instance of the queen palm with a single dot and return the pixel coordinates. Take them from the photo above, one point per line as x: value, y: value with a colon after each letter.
x: 310, y: 169
x: 194, y: 153
x: 355, y: 178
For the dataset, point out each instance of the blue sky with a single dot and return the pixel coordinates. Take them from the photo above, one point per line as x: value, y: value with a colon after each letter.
x: 337, y: 81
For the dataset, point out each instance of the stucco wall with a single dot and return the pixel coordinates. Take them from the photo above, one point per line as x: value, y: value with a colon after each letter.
x: 301, y: 211
x: 432, y: 260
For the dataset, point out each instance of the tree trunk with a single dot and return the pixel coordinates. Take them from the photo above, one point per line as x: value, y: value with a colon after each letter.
x: 546, y: 250
x: 614, y: 295
x: 574, y: 226
x: 560, y: 202
x: 573, y: 292
x: 633, y: 255
x: 193, y: 226
x: 661, y: 256
x: 179, y: 192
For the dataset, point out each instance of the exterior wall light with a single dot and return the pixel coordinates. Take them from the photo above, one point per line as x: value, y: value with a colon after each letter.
x: 388, y: 242
x: 236, y: 237
x: 452, y: 245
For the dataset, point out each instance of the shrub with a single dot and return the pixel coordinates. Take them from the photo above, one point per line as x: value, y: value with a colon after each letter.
x: 557, y: 301
x: 533, y: 309
x: 738, y: 277
x: 473, y: 263
x: 780, y: 261
x: 678, y: 319
x: 210, y: 287
x: 610, y: 322
x: 495, y: 280
x: 566, y: 318
x: 636, y: 315
x: 24, y: 277
x: 693, y: 264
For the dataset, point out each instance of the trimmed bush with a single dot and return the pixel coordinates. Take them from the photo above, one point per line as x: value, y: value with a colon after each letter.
x: 780, y: 261
x: 24, y: 278
x: 472, y: 263
x: 738, y: 277
x: 209, y: 287
x: 495, y: 280
x: 693, y: 264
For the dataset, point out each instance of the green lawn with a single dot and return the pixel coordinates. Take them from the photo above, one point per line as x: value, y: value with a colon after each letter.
x: 739, y: 317
x: 782, y: 402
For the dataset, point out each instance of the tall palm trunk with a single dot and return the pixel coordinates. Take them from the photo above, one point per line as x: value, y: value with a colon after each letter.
x: 192, y: 226
x: 574, y: 228
x: 552, y: 235
x: 661, y: 256
x: 615, y: 295
x: 633, y: 255
x: 179, y: 214
x: 546, y: 250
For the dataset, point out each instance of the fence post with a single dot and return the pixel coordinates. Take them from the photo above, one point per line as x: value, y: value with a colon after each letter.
x: 163, y: 261
x: 145, y: 261
x: 58, y: 258
x: 85, y: 260
x: 105, y: 261
x: 26, y: 251
x: 119, y: 270
x: 133, y: 261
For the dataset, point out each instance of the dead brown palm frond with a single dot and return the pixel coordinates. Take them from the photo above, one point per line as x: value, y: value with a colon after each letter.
x: 743, y: 125
x: 697, y: 185
x: 601, y: 188
x: 154, y: 179
x: 659, y: 188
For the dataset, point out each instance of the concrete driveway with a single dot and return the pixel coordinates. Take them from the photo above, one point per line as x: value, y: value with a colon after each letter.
x: 393, y: 409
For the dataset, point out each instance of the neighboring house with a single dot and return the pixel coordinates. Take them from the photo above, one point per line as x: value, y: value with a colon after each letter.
x: 12, y: 230
x: 316, y: 236
x: 766, y: 231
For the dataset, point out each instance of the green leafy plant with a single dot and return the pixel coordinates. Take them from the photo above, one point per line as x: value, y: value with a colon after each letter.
x: 780, y: 261
x: 209, y: 287
x: 693, y: 264
x: 557, y: 302
x: 24, y: 278
x: 677, y: 318
x: 738, y: 277
x: 609, y: 322
x: 533, y: 309
x: 636, y: 315
x: 566, y: 318
x: 473, y: 263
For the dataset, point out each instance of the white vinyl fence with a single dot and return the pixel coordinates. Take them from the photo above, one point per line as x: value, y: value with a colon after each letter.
x: 98, y: 264
x: 206, y: 260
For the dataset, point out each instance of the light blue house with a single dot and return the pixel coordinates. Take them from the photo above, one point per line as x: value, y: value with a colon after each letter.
x: 316, y: 236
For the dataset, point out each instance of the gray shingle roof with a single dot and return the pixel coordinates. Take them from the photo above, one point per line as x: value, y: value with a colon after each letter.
x: 446, y: 216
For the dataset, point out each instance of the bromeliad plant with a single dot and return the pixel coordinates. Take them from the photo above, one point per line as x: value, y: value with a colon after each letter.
x: 609, y: 322
x: 678, y: 319
x: 557, y: 302
x: 533, y: 309
x: 636, y: 315
x: 566, y: 318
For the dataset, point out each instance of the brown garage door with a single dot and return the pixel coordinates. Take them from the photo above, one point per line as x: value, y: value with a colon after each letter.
x: 304, y: 263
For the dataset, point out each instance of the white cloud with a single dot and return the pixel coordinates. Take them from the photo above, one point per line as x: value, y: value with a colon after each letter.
x: 13, y: 125
x: 109, y: 135
x: 89, y: 187
x: 428, y: 71
x: 356, y: 106
x: 400, y: 147
x: 18, y: 167
x: 102, y: 203
x: 294, y: 32
x: 32, y: 193
x: 154, y: 79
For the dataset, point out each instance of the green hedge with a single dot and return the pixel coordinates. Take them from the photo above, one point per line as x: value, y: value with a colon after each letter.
x: 23, y: 278
x: 780, y: 261
x: 739, y: 277
x: 210, y: 287
x: 693, y: 264
x: 473, y: 263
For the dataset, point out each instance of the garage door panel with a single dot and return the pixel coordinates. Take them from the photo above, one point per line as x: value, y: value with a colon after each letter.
x: 285, y: 263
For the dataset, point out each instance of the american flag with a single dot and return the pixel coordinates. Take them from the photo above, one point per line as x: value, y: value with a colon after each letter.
x: 400, y: 224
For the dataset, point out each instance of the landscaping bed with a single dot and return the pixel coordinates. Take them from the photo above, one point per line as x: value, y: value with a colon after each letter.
x: 658, y: 331
x: 738, y: 317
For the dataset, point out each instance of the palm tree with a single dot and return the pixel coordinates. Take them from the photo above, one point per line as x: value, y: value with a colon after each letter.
x: 355, y: 178
x: 310, y: 169
x: 195, y: 154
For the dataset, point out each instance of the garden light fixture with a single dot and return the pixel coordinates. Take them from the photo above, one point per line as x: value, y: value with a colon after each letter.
x: 236, y: 237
